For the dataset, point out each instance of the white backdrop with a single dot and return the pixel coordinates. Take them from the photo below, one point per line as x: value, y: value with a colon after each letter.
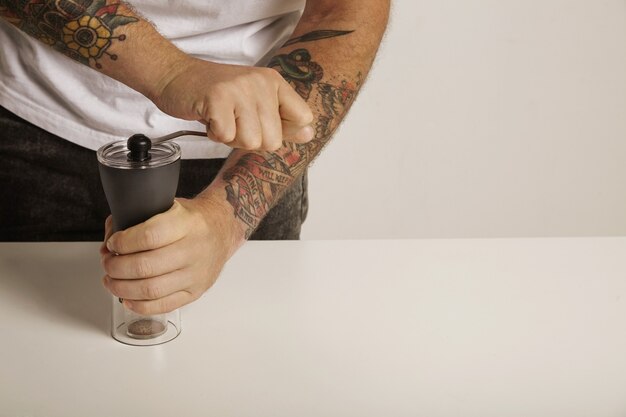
x: 483, y: 118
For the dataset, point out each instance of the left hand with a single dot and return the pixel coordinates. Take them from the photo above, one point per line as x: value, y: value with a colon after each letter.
x: 171, y: 259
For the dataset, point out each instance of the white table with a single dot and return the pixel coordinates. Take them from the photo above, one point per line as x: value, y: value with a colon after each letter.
x: 498, y: 327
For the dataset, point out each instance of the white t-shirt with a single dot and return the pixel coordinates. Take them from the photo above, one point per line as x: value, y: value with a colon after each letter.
x: 83, y: 106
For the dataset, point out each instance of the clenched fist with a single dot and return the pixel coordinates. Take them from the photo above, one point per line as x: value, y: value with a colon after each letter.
x: 244, y: 107
x: 172, y: 258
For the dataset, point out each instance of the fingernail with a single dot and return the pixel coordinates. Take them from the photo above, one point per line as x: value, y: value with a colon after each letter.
x: 110, y: 245
x: 128, y: 304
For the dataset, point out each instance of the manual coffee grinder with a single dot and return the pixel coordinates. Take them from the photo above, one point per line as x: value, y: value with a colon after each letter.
x: 140, y: 178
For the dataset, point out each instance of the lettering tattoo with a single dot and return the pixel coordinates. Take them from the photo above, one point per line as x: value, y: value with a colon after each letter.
x: 257, y: 179
x: 81, y: 29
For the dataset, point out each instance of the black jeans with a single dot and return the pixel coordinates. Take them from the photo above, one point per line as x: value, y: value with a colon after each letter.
x: 50, y: 189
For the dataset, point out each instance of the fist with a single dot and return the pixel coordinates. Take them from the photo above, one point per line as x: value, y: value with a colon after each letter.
x: 244, y: 107
x: 168, y: 261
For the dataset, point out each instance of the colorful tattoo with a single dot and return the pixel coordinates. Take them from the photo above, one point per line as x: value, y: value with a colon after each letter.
x: 298, y: 69
x: 251, y: 183
x: 257, y: 180
x: 80, y: 29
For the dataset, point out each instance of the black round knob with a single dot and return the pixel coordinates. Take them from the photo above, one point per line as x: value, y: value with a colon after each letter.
x: 139, y: 146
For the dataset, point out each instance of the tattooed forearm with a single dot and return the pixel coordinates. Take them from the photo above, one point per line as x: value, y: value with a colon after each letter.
x: 81, y: 29
x: 257, y: 179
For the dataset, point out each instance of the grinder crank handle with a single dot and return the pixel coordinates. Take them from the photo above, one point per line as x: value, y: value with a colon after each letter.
x: 178, y: 134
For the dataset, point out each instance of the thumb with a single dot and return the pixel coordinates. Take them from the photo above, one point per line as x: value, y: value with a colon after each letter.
x: 292, y: 107
x: 297, y: 134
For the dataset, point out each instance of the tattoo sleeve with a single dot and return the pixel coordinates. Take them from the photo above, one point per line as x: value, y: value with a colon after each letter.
x: 106, y: 35
x: 253, y: 180
x: 81, y: 29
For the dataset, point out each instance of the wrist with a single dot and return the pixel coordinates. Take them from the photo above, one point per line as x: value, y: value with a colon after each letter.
x: 143, y: 59
x: 177, y: 83
x: 219, y: 213
x: 171, y: 66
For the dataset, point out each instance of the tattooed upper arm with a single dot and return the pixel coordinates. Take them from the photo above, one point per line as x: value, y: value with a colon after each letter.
x: 80, y: 29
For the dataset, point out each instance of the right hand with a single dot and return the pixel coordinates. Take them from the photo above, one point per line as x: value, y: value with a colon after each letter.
x: 243, y: 107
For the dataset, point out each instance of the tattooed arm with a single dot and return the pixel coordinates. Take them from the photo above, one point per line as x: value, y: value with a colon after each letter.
x: 325, y: 62
x: 245, y: 107
x: 179, y: 254
x: 106, y: 35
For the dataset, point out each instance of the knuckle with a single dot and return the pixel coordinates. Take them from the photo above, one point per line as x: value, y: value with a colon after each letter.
x: 119, y: 242
x: 259, y: 75
x: 277, y: 146
x: 261, y: 80
x: 197, y: 218
x: 150, y: 237
x: 257, y: 141
x: 252, y: 143
x: 224, y: 136
x: 220, y: 91
x: 142, y: 308
x: 113, y: 288
x: 143, y: 267
x: 272, y: 145
x: 151, y: 291
x: 269, y: 73
x: 276, y: 75
x: 108, y: 264
x: 306, y: 117
x: 241, y: 83
x: 162, y: 306
x: 192, y: 296
x: 309, y: 118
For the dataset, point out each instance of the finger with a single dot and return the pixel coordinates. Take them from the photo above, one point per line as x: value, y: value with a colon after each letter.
x: 108, y: 231
x: 161, y: 305
x: 147, y: 264
x: 221, y: 125
x: 249, y: 133
x: 292, y: 107
x: 158, y: 231
x: 271, y: 126
x: 297, y: 134
x: 148, y: 288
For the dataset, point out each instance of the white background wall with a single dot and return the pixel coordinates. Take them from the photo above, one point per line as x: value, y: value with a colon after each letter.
x: 483, y: 118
